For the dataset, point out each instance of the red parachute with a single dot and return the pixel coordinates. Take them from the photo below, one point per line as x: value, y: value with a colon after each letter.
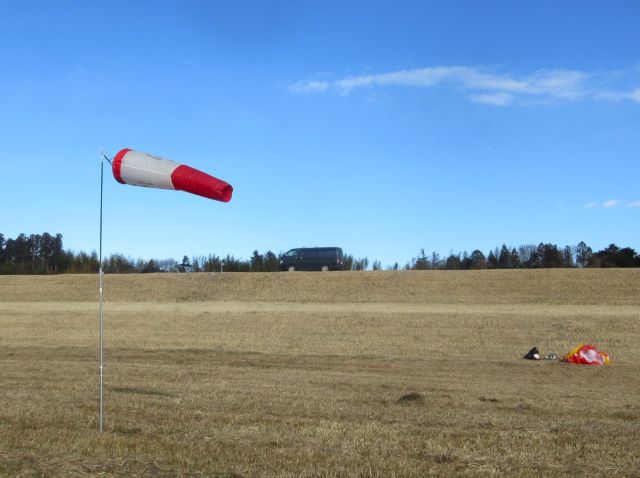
x: 587, y: 355
x: 141, y: 169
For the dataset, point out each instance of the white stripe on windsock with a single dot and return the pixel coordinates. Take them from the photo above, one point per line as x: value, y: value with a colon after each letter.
x: 141, y: 169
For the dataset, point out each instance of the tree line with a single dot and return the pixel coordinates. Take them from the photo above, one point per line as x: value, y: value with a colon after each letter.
x: 44, y: 254
x: 530, y: 256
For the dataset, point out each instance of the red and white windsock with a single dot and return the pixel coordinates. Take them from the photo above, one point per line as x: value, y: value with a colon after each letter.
x: 141, y: 169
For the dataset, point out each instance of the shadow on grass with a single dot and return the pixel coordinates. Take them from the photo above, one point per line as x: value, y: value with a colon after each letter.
x: 411, y: 397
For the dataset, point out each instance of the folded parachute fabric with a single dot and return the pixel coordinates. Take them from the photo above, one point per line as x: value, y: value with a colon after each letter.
x: 587, y: 355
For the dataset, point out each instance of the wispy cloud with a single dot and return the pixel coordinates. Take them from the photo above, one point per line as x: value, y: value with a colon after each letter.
x: 611, y: 203
x: 560, y: 83
x: 482, y: 85
x: 496, y: 99
x: 619, y: 95
x: 311, y: 86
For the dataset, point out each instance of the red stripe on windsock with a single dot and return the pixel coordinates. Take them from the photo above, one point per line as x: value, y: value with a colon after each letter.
x: 116, y: 165
x: 186, y: 178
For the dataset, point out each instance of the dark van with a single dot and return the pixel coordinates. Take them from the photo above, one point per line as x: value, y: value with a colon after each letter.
x: 312, y: 259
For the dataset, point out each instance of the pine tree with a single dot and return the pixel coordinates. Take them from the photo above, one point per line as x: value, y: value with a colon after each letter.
x: 492, y: 261
x: 504, y: 259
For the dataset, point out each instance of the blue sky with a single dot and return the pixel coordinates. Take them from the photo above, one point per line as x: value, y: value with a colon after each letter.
x: 380, y: 127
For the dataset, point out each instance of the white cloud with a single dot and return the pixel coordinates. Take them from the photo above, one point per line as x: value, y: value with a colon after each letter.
x: 306, y: 87
x: 484, y: 85
x: 559, y: 83
x: 619, y: 95
x: 474, y: 79
x: 495, y: 99
x: 423, y: 77
x: 610, y: 203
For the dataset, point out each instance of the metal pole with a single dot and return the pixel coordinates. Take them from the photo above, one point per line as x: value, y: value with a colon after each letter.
x: 101, y: 288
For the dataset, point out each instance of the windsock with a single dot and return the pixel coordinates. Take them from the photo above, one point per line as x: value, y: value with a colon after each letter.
x: 141, y: 169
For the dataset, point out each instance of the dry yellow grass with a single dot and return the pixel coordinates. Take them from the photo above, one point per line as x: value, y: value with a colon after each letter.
x: 304, y: 374
x: 558, y: 286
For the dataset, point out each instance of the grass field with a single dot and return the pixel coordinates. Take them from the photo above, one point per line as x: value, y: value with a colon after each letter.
x: 405, y: 374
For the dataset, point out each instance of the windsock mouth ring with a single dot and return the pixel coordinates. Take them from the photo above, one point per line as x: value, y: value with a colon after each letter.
x: 116, y: 165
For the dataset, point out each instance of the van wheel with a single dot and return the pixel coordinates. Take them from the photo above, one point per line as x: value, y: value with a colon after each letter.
x: 324, y: 268
x: 292, y: 268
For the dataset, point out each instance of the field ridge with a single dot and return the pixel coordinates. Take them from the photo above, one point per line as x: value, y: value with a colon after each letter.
x: 541, y: 286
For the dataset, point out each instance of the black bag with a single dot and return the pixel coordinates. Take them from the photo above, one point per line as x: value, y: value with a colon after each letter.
x: 533, y: 354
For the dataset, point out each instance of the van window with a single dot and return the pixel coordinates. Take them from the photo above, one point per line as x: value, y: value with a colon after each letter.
x: 291, y: 253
